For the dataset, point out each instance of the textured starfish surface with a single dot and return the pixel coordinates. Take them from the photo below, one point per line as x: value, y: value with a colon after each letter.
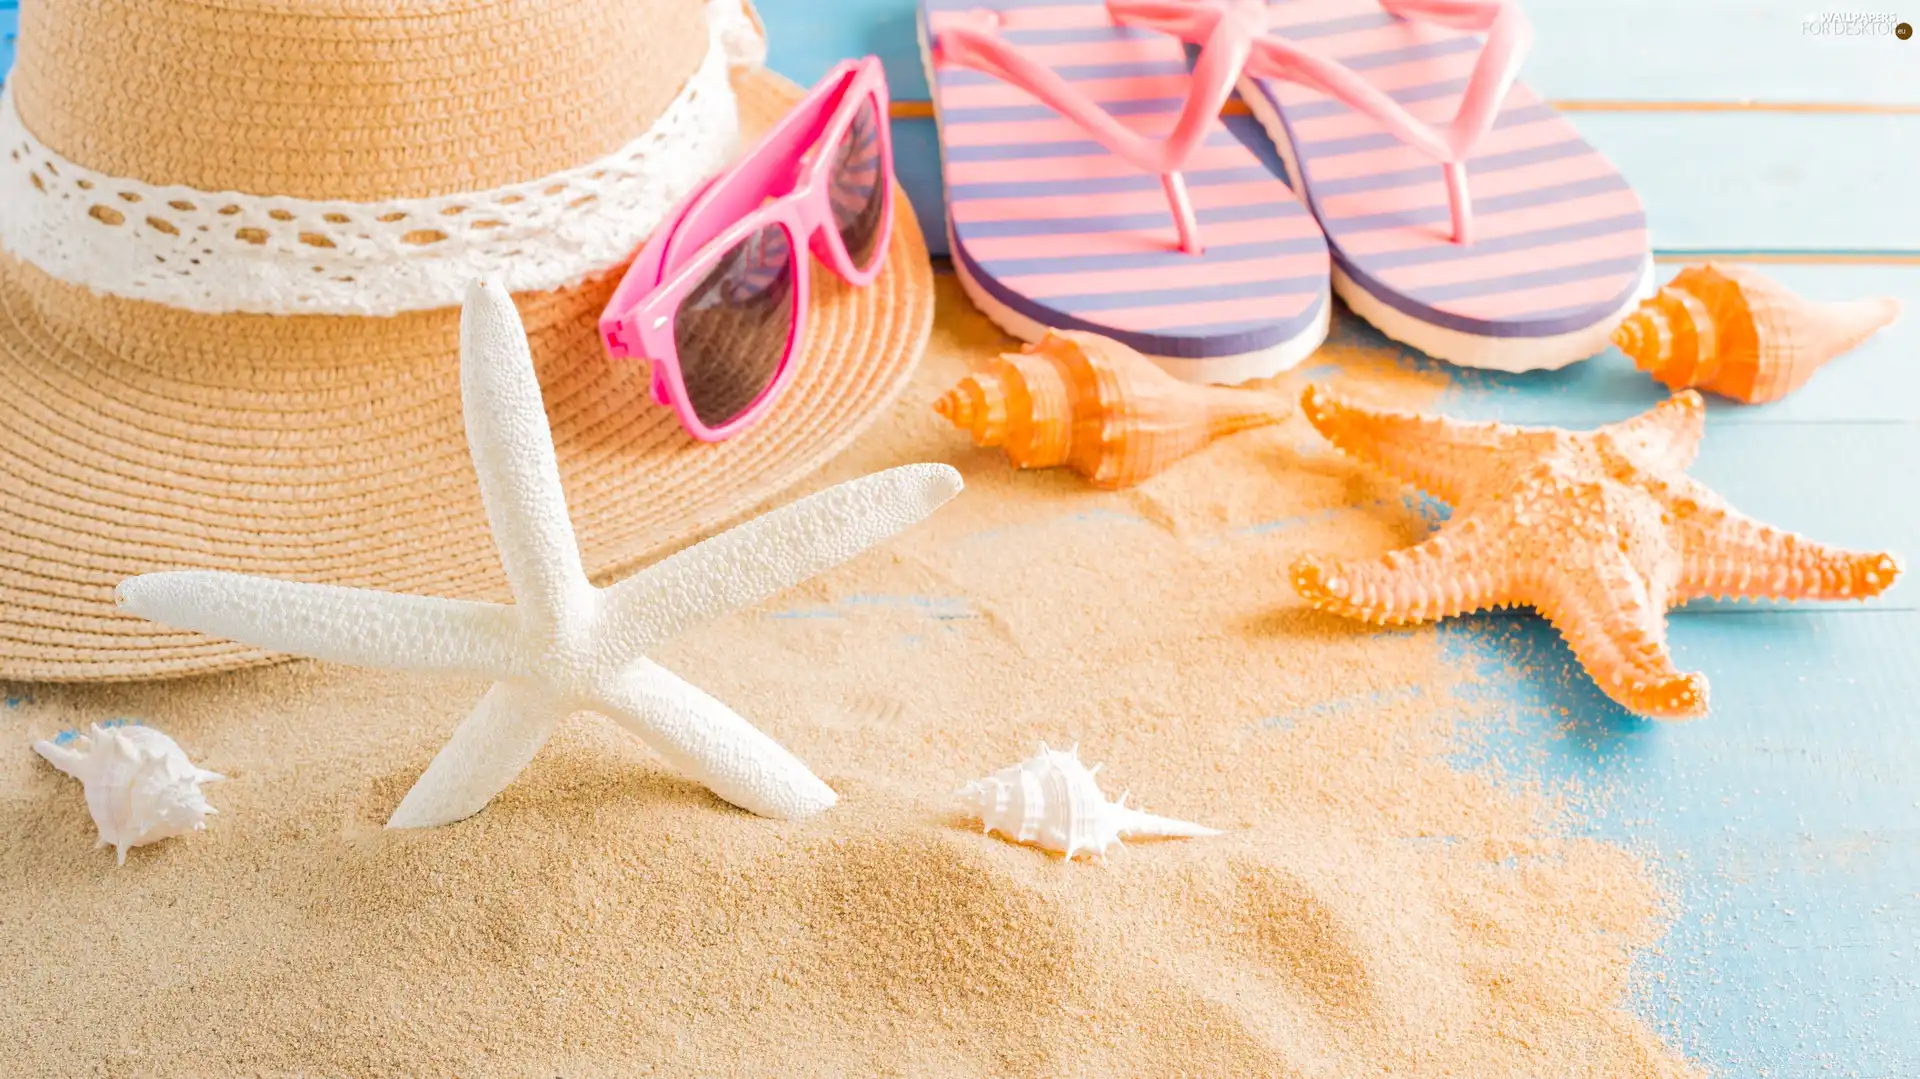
x: 1600, y: 531
x: 562, y: 645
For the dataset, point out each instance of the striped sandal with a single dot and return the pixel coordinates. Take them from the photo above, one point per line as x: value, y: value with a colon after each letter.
x: 1521, y: 251
x: 1162, y: 231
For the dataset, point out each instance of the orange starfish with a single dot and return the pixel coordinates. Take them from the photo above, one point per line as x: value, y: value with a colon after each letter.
x: 1600, y: 531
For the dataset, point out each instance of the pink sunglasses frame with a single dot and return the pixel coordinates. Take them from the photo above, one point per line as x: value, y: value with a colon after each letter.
x: 638, y: 322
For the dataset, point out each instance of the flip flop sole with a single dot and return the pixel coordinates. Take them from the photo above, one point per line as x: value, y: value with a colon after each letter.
x: 1048, y: 229
x: 1560, y: 249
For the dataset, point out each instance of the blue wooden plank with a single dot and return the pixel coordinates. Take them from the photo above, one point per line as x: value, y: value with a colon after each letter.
x: 1835, y: 483
x: 1785, y: 822
x: 1716, y: 50
x: 1877, y: 383
x: 803, y: 41
x: 9, y: 30
x: 1769, y: 182
x: 916, y: 161
x: 1639, y: 50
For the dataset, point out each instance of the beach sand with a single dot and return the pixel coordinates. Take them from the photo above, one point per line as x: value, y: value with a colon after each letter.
x: 1370, y: 910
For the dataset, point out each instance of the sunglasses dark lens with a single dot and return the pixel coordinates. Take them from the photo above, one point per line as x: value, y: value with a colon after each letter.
x: 856, y: 191
x: 732, y: 329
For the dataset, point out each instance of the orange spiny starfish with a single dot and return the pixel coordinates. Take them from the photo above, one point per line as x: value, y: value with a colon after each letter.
x: 1600, y: 531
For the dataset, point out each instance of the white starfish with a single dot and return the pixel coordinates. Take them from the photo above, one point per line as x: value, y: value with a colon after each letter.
x: 563, y: 645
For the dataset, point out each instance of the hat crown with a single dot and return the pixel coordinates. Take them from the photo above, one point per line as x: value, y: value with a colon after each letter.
x: 348, y: 99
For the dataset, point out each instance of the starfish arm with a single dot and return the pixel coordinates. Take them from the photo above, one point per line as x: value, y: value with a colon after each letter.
x: 708, y: 742
x: 513, y: 455
x: 1442, y: 456
x: 356, y: 626
x: 1456, y: 570
x: 1729, y: 554
x: 1665, y: 437
x: 1617, y: 630
x: 488, y: 750
x: 768, y: 554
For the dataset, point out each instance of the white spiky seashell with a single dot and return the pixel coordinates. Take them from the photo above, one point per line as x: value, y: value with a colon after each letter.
x: 1052, y: 801
x: 140, y: 786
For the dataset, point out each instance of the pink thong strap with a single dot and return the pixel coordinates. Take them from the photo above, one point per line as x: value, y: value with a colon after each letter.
x: 1226, y: 41
x: 1508, y: 37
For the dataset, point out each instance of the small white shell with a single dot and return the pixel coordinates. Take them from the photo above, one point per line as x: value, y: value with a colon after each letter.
x: 140, y: 786
x: 1052, y: 801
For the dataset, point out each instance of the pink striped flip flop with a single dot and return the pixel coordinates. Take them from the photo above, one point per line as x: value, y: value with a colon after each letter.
x: 1161, y: 230
x: 1467, y: 218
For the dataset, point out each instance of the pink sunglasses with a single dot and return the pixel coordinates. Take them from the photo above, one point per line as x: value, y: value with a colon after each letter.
x: 718, y: 297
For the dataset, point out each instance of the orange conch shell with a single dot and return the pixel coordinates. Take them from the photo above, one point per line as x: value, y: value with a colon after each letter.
x: 1742, y: 335
x: 1098, y: 407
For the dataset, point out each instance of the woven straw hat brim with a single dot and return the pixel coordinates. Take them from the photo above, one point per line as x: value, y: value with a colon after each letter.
x: 340, y: 456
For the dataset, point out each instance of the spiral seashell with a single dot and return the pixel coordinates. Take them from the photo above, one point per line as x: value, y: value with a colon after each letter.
x: 1741, y: 334
x: 139, y: 784
x: 1052, y: 801
x: 1098, y: 407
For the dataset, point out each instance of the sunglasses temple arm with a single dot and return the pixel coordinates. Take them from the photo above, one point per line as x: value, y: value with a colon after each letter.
x: 616, y: 333
x: 769, y: 167
x: 804, y: 126
x: 619, y: 332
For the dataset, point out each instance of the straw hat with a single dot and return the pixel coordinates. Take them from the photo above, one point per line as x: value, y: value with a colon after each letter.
x: 235, y: 236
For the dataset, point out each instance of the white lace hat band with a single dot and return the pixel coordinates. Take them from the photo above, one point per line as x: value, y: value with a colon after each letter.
x: 226, y: 252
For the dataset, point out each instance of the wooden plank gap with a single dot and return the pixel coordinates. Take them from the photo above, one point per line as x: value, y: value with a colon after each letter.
x: 1814, y: 107
x: 1794, y: 258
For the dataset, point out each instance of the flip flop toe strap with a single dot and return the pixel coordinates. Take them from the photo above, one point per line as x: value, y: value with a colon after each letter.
x: 1225, y: 31
x: 1508, y: 37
